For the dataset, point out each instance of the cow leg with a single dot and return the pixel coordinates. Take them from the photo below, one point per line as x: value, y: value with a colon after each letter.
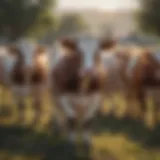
x: 37, y: 108
x: 142, y: 101
x: 156, y: 101
x: 5, y: 107
x: 70, y: 113
x: 2, y: 96
x: 110, y: 98
x: 57, y: 123
x: 37, y: 103
x: 19, y: 99
x: 3, y: 99
x: 89, y: 117
x: 109, y: 95
x: 112, y: 105
x: 71, y: 127
x: 132, y: 95
x: 20, y: 102
x: 86, y: 131
x: 21, y: 108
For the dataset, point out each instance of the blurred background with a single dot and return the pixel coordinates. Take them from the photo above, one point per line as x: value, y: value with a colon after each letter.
x: 43, y: 21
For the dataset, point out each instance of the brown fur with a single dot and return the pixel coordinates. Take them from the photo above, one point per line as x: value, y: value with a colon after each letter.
x: 21, y: 76
x: 37, y: 73
x: 68, y: 79
x: 107, y: 44
x: 66, y: 74
x: 144, y: 78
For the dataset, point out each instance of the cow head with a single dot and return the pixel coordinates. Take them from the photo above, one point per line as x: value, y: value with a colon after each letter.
x: 107, y: 44
x: 28, y: 54
x: 66, y: 47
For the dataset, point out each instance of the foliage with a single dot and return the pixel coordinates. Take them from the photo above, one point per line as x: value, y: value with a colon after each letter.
x: 67, y: 25
x: 71, y: 24
x: 25, y: 17
x: 149, y: 16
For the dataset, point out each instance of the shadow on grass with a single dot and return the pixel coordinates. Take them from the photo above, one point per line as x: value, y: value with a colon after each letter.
x: 154, y: 139
x: 134, y: 129
x: 27, y: 142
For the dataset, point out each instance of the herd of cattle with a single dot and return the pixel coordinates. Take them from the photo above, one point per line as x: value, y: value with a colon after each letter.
x: 78, y: 91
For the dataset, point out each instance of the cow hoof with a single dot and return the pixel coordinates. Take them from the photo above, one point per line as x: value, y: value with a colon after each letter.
x: 111, y: 113
x: 57, y: 131
x: 128, y: 114
x: 72, y: 137
x: 100, y: 113
x: 20, y: 121
x: 87, y: 139
x: 141, y: 116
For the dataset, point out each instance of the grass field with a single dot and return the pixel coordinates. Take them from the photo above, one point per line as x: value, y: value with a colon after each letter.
x: 114, y: 137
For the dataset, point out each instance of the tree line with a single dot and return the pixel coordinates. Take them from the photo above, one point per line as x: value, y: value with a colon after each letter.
x: 35, y: 18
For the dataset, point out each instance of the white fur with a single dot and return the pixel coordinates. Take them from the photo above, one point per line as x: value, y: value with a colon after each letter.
x: 93, y: 105
x: 108, y: 59
x: 131, y: 64
x: 59, y: 53
x: 27, y: 48
x: 72, y: 136
x: 66, y: 105
x: 87, y: 137
x: 90, y: 104
x: 109, y: 62
x: 157, y: 56
x: 7, y: 61
x: 25, y: 90
x: 88, y: 46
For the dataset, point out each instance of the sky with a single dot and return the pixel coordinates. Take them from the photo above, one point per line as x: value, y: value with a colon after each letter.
x: 97, y: 4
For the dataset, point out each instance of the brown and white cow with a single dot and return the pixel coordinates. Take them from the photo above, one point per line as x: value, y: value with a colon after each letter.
x: 2, y: 72
x: 112, y: 61
x: 145, y: 78
x: 26, y: 74
x: 6, y: 62
x: 75, y: 89
x: 123, y: 70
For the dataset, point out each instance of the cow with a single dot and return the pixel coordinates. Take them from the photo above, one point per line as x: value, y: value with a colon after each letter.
x: 112, y: 62
x: 2, y: 56
x: 6, y: 62
x: 144, y: 78
x: 27, y: 75
x: 75, y: 89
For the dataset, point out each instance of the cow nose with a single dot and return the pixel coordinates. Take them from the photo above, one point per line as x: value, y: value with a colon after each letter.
x: 28, y: 73
x: 28, y: 67
x: 28, y: 70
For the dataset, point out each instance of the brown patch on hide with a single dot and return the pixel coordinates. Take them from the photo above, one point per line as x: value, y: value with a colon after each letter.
x: 107, y: 44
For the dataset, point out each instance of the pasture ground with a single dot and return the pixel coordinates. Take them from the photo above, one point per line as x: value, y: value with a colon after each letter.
x: 114, y: 137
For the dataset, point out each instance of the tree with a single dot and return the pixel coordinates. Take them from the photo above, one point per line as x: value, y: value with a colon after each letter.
x: 25, y: 17
x: 149, y: 16
x: 71, y: 23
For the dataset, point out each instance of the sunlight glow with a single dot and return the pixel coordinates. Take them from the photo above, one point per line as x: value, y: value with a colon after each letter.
x: 98, y: 4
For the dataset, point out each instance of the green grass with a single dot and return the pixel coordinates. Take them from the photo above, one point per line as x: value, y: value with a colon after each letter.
x: 114, y: 138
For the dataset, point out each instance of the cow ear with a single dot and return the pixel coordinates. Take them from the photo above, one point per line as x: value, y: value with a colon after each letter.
x: 13, y: 50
